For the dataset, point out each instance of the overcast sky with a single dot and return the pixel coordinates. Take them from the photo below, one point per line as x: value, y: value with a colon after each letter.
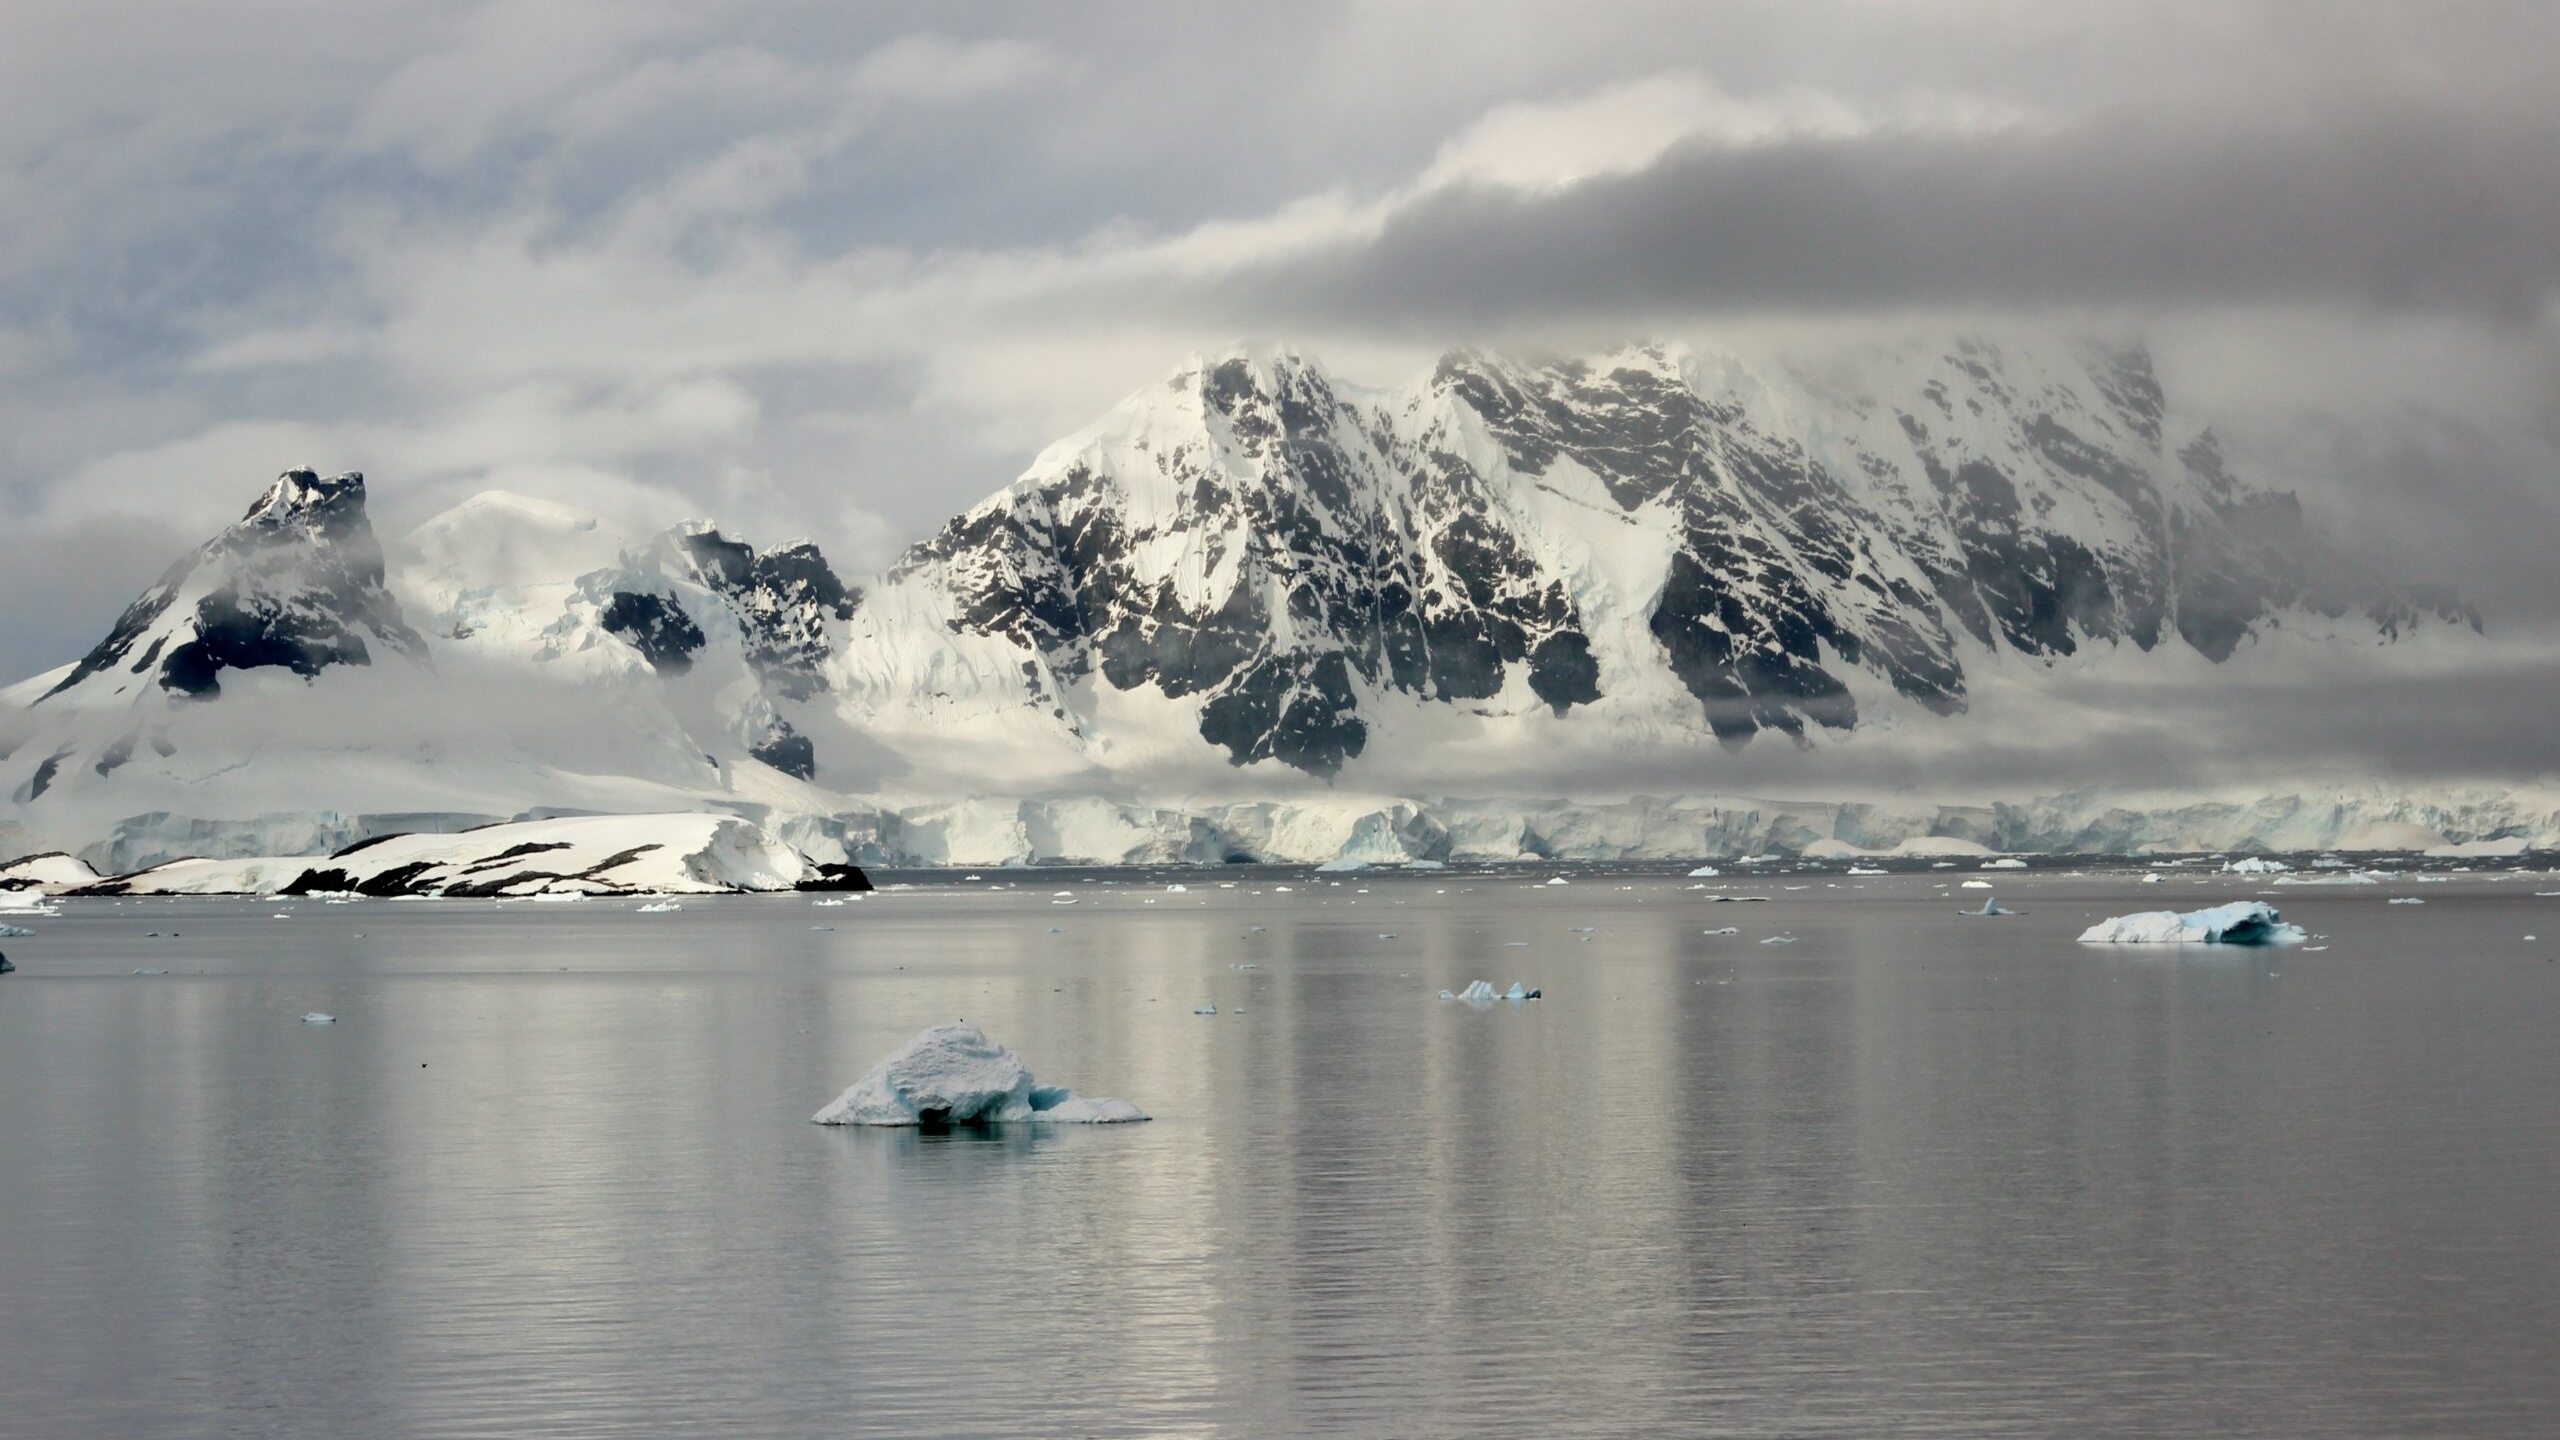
x: 843, y: 269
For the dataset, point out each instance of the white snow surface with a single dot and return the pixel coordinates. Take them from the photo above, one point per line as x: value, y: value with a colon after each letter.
x: 581, y: 855
x: 2242, y: 922
x: 56, y: 871
x: 953, y: 1074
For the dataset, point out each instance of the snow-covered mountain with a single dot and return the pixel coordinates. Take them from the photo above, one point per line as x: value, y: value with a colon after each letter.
x: 1253, y: 581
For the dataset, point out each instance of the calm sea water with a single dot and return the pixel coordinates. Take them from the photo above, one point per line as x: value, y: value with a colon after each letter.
x: 551, y: 1174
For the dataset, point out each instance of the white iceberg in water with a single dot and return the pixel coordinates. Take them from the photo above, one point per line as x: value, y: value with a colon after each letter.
x: 2243, y: 922
x: 954, y: 1075
x: 1343, y: 866
x: 1705, y: 872
x: 2006, y: 862
x: 1481, y: 992
x: 1993, y: 907
x: 2255, y: 865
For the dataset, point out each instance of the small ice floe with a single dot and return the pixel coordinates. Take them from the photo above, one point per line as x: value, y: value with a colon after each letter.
x: 150, y: 972
x: 14, y: 932
x: 2242, y: 922
x: 2354, y: 877
x: 2005, y: 862
x: 660, y: 907
x: 1386, y: 935
x: 827, y: 904
x: 822, y: 929
x: 1989, y: 907
x: 2254, y: 865
x: 281, y: 915
x: 1177, y: 889
x: 2406, y: 900
x: 1864, y: 870
x: 1779, y: 940
x: 1727, y: 930
x: 559, y: 897
x: 1585, y: 929
x: 1244, y: 965
x: 1481, y: 992
x: 2151, y: 879
x: 1057, y: 929
x: 1973, y: 884
x: 954, y: 1075
x: 1070, y: 900
x: 1559, y: 880
x: 1343, y: 866
x: 316, y: 1018
x: 1705, y: 872
x: 1737, y: 899
x: 1204, y: 1009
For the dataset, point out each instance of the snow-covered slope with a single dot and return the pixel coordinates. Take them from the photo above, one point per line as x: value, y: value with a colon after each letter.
x: 588, y: 855
x: 1644, y: 540
x: 1245, y: 594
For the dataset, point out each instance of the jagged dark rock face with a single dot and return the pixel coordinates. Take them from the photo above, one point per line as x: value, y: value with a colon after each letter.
x: 783, y: 600
x: 296, y: 584
x: 1326, y: 571
x: 1327, y: 550
x: 789, y: 752
x: 657, y: 627
x: 1775, y: 561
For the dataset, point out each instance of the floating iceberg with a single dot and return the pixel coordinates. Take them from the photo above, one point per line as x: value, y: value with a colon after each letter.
x: 1990, y: 907
x: 1705, y: 872
x: 2255, y: 865
x: 1342, y: 866
x: 14, y: 932
x: 2243, y: 922
x: 1481, y: 992
x: 654, y: 907
x: 5, y: 966
x: 954, y: 1075
x: 1864, y: 870
x: 314, y: 1018
x: 1973, y: 885
x: 2006, y: 862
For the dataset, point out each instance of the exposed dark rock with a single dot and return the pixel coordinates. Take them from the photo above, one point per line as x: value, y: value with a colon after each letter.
x: 836, y: 877
x: 657, y: 627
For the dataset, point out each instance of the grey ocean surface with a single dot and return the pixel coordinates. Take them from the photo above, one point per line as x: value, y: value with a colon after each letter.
x: 551, y: 1171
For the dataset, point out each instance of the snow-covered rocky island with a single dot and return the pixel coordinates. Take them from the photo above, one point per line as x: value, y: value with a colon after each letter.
x: 577, y: 855
x: 2242, y: 922
x: 954, y: 1075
